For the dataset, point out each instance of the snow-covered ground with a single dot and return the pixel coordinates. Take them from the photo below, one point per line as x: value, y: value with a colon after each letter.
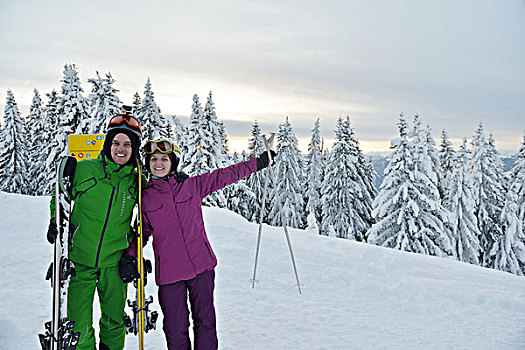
x: 355, y: 296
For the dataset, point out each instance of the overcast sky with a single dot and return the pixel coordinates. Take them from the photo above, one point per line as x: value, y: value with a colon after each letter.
x: 454, y: 62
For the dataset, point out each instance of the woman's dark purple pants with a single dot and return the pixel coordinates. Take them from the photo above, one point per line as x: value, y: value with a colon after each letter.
x: 173, y: 301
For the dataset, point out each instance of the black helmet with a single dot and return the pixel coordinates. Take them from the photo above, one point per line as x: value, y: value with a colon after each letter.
x: 128, y: 125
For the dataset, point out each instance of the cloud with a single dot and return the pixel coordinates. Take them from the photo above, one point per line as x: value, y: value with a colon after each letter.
x: 454, y: 63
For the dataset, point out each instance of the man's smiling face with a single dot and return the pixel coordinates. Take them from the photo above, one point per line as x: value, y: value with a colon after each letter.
x: 121, y: 149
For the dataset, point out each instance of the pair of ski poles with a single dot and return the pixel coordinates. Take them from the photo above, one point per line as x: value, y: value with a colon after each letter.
x: 268, y: 143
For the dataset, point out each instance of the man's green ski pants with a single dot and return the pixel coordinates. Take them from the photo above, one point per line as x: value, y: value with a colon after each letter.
x: 112, y: 293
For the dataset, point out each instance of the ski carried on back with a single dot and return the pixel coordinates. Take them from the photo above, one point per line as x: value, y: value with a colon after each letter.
x: 143, y: 319
x: 59, y: 334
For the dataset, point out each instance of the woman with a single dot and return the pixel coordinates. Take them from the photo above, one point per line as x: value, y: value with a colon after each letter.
x: 184, y: 260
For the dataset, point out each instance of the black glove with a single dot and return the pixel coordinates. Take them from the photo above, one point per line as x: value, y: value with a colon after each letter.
x: 263, y: 161
x: 52, y: 232
x: 181, y: 176
x: 127, y: 268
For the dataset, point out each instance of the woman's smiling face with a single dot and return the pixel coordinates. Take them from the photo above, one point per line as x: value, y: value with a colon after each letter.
x: 160, y: 164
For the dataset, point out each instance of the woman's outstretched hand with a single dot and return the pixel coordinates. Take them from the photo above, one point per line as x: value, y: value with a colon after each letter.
x: 263, y: 161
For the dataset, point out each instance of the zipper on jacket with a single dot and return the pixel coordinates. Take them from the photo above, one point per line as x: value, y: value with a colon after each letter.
x: 105, y: 225
x: 158, y: 266
x: 209, y: 250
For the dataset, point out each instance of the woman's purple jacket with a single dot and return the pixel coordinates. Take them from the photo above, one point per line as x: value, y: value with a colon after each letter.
x: 172, y: 214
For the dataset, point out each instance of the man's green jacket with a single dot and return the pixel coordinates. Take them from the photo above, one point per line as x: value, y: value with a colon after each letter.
x: 104, y: 195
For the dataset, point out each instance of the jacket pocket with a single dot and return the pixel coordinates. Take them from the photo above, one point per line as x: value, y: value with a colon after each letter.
x: 132, y: 191
x: 153, y: 217
x: 181, y: 198
x: 72, y: 230
x: 151, y: 207
x: 85, y: 186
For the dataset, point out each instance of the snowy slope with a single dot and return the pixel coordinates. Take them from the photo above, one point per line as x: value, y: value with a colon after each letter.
x: 355, y: 296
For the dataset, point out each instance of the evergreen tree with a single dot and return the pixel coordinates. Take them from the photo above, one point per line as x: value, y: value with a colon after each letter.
x: 52, y: 148
x: 517, y: 186
x: 178, y: 129
x: 289, y: 176
x: 104, y: 102
x: 14, y: 154
x: 446, y: 159
x: 214, y: 128
x: 461, y: 204
x: 184, y: 140
x: 239, y: 195
x: 346, y: 197
x: 35, y: 137
x: 137, y: 104
x: 508, y: 252
x: 314, y: 176
x: 256, y: 180
x: 73, y: 108
x: 408, y: 208
x: 152, y: 122
x: 170, y: 133
x: 203, y: 150
x: 223, y: 136
x: 433, y: 153
x: 487, y: 171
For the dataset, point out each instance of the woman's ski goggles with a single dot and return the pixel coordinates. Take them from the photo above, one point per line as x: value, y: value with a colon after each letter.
x: 126, y: 118
x: 163, y: 146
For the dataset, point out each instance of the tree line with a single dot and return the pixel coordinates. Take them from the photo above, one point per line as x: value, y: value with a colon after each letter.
x: 433, y: 200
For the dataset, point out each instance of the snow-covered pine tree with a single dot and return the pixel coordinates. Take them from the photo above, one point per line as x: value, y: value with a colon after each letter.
x: 508, y: 252
x: 203, y: 150
x: 14, y: 153
x: 239, y: 194
x: 256, y: 180
x: 461, y: 204
x: 73, y: 108
x: 223, y: 136
x: 36, y: 143
x: 137, y: 104
x: 433, y: 153
x: 314, y: 179
x: 95, y: 101
x: 509, y: 249
x: 487, y: 172
x: 178, y: 129
x: 183, y: 143
x: 104, y: 102
x: 446, y: 159
x: 214, y: 126
x: 52, y: 148
x: 345, y: 192
x: 152, y: 122
x: 289, y: 175
x: 170, y: 132
x: 517, y: 185
x: 366, y: 177
x: 408, y: 208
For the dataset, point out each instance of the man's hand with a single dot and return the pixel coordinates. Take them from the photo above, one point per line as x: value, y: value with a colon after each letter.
x: 127, y: 268
x: 52, y: 232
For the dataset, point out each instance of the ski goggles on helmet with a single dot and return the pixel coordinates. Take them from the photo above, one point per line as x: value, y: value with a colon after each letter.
x: 125, y: 118
x: 163, y: 146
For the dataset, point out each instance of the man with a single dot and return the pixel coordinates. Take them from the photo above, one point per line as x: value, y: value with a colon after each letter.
x: 105, y: 192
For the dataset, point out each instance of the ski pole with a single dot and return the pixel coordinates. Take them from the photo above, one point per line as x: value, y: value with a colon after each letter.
x: 261, y: 215
x: 283, y: 222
